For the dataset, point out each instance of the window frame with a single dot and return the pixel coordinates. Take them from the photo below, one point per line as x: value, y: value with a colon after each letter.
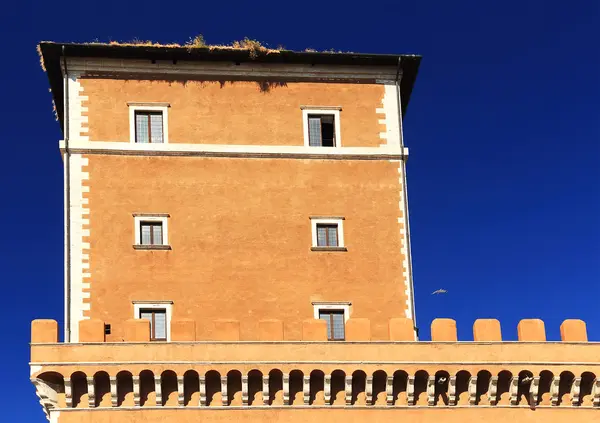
x: 343, y: 306
x: 151, y: 224
x: 154, y: 312
x: 167, y: 306
x: 134, y: 108
x: 328, y: 226
x: 162, y: 218
x: 322, y: 110
x: 327, y: 220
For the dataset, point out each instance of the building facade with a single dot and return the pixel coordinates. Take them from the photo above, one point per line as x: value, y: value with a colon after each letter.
x: 237, y: 246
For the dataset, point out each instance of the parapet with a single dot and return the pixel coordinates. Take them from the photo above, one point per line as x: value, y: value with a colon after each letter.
x: 357, y: 329
x: 276, y: 371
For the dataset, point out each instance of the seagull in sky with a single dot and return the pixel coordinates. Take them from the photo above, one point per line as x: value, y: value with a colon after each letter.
x: 439, y: 291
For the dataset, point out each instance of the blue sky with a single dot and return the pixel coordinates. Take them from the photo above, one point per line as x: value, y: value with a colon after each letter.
x: 503, y: 129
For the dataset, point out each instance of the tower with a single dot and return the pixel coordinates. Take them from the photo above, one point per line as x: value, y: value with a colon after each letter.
x: 237, y: 244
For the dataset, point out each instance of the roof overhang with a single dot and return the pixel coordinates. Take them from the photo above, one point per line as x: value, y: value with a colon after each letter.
x: 52, y: 54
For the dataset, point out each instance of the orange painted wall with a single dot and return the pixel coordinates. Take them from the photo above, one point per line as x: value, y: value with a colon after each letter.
x: 240, y: 112
x: 450, y: 415
x: 241, y: 237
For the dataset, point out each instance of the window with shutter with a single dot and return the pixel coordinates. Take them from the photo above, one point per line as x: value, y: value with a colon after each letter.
x: 335, y: 324
x: 151, y: 233
x: 158, y: 323
x: 148, y: 127
x: 321, y: 130
x: 327, y: 235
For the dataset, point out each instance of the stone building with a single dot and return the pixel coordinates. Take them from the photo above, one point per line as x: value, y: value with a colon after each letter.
x: 237, y: 247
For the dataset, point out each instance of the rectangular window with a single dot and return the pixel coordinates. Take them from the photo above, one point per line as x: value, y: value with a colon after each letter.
x: 335, y: 324
x: 327, y: 235
x: 158, y: 323
x: 321, y: 130
x: 151, y: 233
x: 148, y: 127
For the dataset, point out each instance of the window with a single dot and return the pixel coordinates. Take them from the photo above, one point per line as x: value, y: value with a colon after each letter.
x: 321, y: 126
x: 327, y: 233
x: 335, y: 314
x: 158, y: 323
x: 159, y: 314
x: 151, y: 231
x: 335, y: 324
x: 148, y: 127
x: 148, y: 123
x: 321, y: 131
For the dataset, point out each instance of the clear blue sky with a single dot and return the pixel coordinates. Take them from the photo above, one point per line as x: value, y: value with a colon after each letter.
x: 503, y: 131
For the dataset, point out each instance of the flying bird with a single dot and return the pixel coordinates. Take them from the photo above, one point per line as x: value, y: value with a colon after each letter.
x: 442, y: 380
x: 526, y: 380
x: 439, y: 291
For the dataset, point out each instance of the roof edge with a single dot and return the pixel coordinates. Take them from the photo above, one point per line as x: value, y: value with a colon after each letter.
x: 51, y: 54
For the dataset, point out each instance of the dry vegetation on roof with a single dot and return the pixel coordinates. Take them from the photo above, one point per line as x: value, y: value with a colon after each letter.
x: 254, y: 47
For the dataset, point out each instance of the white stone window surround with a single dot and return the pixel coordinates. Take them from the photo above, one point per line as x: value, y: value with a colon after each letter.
x: 322, y: 110
x: 344, y: 306
x: 155, y: 305
x: 163, y: 218
x: 148, y: 107
x: 328, y: 220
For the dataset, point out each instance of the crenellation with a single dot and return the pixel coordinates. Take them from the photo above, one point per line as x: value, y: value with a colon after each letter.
x: 357, y: 330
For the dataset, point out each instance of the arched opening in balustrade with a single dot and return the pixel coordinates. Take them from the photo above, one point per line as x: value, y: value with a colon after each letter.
x: 255, y: 382
x: 79, y: 391
x: 147, y: 389
x: 169, y: 391
x: 586, y: 388
x: 399, y: 387
x: 338, y: 387
x: 545, y: 388
x: 564, y: 388
x: 234, y: 388
x: 442, y: 381
x: 213, y: 388
x: 379, y: 388
x: 317, y: 387
x: 191, y: 388
x: 276, y: 387
x: 462, y: 387
x: 503, y: 391
x: 421, y: 378
x: 296, y: 387
x: 125, y: 389
x: 102, y: 389
x: 359, y: 382
x: 53, y: 387
x: 523, y: 389
x: 483, y: 387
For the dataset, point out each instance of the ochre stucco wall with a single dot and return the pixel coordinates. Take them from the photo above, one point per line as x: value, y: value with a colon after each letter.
x: 239, y: 112
x: 241, y: 237
x: 447, y: 415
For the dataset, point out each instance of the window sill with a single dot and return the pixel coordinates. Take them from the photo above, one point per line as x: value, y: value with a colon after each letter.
x: 151, y: 247
x: 328, y: 249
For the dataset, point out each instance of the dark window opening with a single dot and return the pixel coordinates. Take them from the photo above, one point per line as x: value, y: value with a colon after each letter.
x: 335, y: 324
x: 327, y: 235
x: 321, y: 130
x: 158, y: 323
x: 151, y: 233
